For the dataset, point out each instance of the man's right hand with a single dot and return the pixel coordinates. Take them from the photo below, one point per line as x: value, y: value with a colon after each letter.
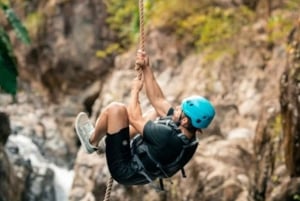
x: 142, y: 60
x: 137, y: 84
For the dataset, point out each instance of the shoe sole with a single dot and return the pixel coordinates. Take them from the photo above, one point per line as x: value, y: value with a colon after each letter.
x: 78, y: 123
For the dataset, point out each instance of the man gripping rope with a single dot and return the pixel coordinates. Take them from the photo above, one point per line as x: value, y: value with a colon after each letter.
x: 141, y: 148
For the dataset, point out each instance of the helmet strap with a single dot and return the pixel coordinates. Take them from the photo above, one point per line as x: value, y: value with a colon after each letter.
x: 190, y: 127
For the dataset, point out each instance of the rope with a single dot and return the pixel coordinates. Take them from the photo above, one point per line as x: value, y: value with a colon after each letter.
x: 142, y: 34
x: 108, y: 189
x: 139, y: 70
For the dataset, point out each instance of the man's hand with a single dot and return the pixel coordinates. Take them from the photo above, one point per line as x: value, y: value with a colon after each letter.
x: 137, y: 84
x: 142, y: 60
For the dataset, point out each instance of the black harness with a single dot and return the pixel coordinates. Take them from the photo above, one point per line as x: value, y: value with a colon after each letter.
x: 140, y: 149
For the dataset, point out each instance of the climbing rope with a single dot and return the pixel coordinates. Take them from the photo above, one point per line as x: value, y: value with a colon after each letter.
x: 139, y: 70
x: 108, y: 189
x: 142, y: 35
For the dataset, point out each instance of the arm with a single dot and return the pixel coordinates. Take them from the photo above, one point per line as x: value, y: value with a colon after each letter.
x: 136, y: 120
x: 149, y: 115
x: 153, y: 90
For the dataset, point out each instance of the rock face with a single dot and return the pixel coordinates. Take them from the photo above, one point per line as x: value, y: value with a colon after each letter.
x: 4, y: 128
x: 240, y: 157
x: 219, y: 171
x: 8, y: 177
x: 62, y: 58
x: 226, y: 167
x: 34, y: 156
x: 290, y: 104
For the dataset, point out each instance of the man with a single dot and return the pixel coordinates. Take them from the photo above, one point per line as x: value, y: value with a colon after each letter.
x: 161, y: 141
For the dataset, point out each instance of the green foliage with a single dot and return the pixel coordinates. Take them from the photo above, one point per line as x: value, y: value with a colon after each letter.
x: 277, y: 126
x: 8, y: 70
x: 124, y: 19
x: 170, y: 13
x: 198, y: 23
x: 293, y: 4
x: 33, y: 21
x: 278, y: 27
x: 8, y: 62
x: 201, y: 24
x: 214, y: 26
x: 112, y: 48
x: 217, y: 51
x: 296, y: 197
x: 275, y: 178
x: 20, y: 30
x: 211, y: 28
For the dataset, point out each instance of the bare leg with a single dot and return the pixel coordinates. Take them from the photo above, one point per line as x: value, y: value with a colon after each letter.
x: 111, y: 120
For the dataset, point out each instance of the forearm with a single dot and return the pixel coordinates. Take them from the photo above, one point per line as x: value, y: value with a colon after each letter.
x: 134, y: 110
x: 149, y: 115
x: 153, y: 90
x: 134, y: 104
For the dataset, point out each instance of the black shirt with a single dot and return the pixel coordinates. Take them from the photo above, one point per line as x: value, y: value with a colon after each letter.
x: 163, y: 143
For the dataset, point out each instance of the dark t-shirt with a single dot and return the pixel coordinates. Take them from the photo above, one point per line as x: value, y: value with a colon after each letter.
x: 163, y: 143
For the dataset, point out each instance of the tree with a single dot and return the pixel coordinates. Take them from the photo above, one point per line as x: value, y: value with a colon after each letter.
x: 8, y: 61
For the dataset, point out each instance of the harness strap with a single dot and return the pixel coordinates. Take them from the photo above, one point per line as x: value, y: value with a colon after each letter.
x: 144, y: 172
x: 161, y: 183
x: 158, y: 165
x: 139, y: 148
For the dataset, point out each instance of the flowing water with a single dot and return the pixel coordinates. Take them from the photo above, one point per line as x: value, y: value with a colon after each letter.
x: 29, y: 151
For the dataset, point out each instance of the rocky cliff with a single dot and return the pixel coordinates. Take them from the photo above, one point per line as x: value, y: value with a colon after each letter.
x: 241, y: 157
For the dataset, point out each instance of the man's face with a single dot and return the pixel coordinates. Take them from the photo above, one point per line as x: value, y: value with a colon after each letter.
x: 177, y: 113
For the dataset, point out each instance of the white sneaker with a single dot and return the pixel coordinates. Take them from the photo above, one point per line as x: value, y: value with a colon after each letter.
x: 84, y: 129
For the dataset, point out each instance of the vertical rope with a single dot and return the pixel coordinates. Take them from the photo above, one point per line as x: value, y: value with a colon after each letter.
x: 139, y: 70
x: 108, y: 189
x: 142, y: 34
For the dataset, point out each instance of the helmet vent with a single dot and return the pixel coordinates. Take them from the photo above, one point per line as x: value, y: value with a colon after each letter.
x: 204, y: 117
x: 198, y: 121
x: 191, y: 104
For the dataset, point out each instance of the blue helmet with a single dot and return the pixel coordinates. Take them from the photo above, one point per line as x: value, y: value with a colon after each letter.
x: 199, y: 110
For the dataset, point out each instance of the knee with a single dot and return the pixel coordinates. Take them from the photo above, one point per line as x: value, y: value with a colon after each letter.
x: 117, y: 108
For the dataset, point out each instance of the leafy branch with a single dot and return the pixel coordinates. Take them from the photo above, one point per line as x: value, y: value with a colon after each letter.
x: 8, y: 61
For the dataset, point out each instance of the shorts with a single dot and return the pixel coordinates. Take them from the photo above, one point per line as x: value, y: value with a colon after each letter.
x: 123, y: 168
